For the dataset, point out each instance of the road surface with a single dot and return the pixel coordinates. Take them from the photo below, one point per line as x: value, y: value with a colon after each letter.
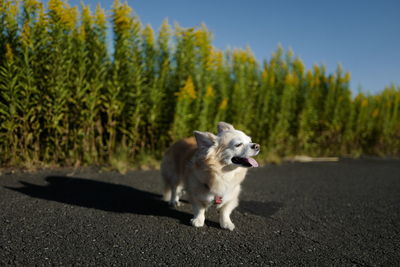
x: 344, y: 213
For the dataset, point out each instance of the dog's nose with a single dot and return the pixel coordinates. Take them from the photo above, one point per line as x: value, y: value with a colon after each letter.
x: 256, y: 147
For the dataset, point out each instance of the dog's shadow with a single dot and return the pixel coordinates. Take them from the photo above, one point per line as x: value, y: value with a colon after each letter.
x: 102, y: 196
x: 263, y: 209
x: 119, y: 198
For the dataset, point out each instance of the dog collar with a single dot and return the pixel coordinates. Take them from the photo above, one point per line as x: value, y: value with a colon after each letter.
x: 217, y: 199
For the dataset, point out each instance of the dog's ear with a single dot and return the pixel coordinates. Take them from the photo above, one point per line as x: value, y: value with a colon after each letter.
x: 205, y: 139
x: 223, y: 126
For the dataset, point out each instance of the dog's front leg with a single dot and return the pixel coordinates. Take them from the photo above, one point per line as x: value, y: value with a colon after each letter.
x: 199, y: 214
x: 224, y: 216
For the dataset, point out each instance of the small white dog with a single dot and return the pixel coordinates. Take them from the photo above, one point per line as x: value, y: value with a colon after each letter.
x: 210, y: 168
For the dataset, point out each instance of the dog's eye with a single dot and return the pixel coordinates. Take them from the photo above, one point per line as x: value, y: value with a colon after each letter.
x: 238, y: 145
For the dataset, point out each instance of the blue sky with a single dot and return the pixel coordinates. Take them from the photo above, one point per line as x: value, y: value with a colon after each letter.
x: 362, y: 35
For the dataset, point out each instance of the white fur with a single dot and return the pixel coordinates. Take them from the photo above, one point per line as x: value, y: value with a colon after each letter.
x: 203, y: 166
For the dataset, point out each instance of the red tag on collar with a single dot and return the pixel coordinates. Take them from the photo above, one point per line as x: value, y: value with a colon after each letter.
x: 217, y: 200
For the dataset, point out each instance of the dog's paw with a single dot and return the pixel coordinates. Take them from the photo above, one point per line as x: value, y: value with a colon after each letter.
x: 227, y: 225
x: 174, y: 204
x: 197, y: 222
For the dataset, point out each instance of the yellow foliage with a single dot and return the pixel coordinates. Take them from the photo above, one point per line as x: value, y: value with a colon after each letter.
x: 100, y: 16
x: 218, y: 58
x: 148, y: 34
x: 186, y: 33
x: 32, y: 4
x: 165, y: 30
x: 375, y: 113
x: 272, y: 80
x: 9, y: 53
x: 317, y: 70
x: 359, y: 98
x: 187, y: 91
x: 347, y: 77
x: 122, y: 16
x: 202, y: 38
x: 66, y: 14
x: 250, y: 56
x: 56, y: 6
x: 81, y: 33
x: 316, y: 82
x: 69, y: 17
x: 298, y: 64
x: 26, y: 35
x: 210, y: 61
x: 238, y: 56
x: 265, y: 73
x: 86, y: 15
x: 243, y: 56
x: 13, y: 8
x: 210, y: 91
x: 364, y: 103
x: 309, y: 76
x: 291, y: 79
x: 42, y: 18
x: 288, y: 79
x: 331, y: 81
x: 224, y: 104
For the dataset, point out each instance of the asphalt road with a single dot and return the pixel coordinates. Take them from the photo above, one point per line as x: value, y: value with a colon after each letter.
x: 344, y: 213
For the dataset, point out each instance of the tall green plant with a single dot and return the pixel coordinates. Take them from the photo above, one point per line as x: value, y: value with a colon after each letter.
x: 68, y: 98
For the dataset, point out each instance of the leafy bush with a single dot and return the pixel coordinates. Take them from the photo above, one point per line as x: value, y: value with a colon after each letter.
x: 67, y: 97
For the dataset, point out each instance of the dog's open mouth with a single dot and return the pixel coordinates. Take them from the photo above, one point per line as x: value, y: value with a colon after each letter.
x: 245, y: 162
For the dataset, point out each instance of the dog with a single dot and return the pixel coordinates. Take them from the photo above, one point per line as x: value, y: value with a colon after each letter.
x: 210, y: 168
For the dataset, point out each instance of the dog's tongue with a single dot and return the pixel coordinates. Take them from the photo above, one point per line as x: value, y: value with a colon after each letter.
x: 252, y: 162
